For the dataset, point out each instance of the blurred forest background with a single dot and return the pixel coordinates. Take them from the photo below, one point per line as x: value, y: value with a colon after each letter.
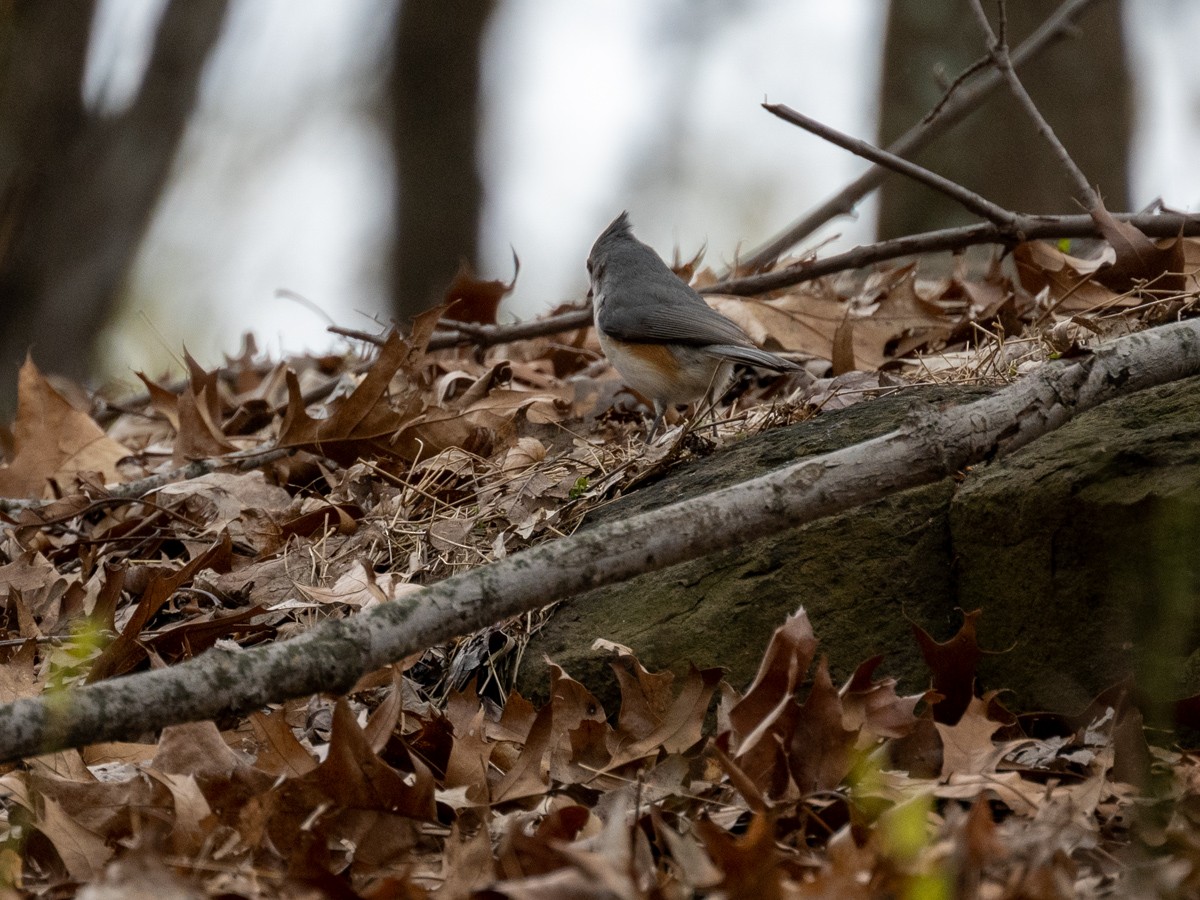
x: 169, y: 165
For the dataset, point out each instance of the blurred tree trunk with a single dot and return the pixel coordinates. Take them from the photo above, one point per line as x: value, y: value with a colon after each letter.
x: 1081, y: 87
x: 77, y: 188
x: 435, y: 129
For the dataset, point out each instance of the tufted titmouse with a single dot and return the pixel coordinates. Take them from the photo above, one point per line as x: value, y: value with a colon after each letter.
x: 666, y: 342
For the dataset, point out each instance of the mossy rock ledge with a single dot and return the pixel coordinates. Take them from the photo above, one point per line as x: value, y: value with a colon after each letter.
x: 1082, y: 550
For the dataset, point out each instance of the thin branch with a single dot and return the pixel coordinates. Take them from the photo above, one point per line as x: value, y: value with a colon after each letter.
x: 354, y: 334
x: 134, y: 490
x: 487, y: 335
x: 457, y: 334
x: 974, y: 68
x: 969, y: 199
x: 964, y: 103
x: 998, y: 47
x: 1165, y: 225
x: 336, y: 653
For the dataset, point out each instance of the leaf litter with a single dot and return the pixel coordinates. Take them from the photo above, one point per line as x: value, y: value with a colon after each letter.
x: 400, y: 466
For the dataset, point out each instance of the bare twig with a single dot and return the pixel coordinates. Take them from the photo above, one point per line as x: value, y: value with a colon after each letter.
x: 982, y: 63
x: 354, y: 334
x: 953, y: 111
x: 1029, y: 227
x: 998, y: 48
x: 336, y: 653
x: 487, y: 335
x: 969, y: 199
x: 456, y: 334
x: 135, y: 489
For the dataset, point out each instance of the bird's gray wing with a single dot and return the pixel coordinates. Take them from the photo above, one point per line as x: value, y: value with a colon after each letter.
x: 671, y: 313
x: 694, y: 324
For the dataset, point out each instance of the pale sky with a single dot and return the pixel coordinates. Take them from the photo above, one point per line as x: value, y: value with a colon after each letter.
x: 591, y: 107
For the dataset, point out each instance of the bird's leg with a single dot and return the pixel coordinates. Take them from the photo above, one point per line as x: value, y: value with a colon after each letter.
x: 706, y: 407
x: 712, y: 396
x: 660, y: 410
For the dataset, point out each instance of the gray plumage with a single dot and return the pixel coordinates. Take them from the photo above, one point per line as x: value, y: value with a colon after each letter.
x: 639, y: 300
x: 666, y: 342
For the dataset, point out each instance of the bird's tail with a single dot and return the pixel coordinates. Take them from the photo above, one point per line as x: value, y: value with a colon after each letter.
x: 752, y: 356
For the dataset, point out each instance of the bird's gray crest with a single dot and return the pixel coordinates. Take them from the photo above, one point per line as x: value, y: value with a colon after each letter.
x: 617, y: 230
x: 619, y: 225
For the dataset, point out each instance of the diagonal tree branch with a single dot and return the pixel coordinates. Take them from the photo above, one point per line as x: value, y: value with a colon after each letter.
x: 961, y: 103
x: 972, y: 201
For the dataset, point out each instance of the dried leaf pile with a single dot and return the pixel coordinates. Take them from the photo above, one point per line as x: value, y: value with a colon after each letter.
x: 247, y: 503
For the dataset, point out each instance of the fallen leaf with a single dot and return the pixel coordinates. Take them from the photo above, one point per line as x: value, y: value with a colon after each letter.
x: 53, y: 441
